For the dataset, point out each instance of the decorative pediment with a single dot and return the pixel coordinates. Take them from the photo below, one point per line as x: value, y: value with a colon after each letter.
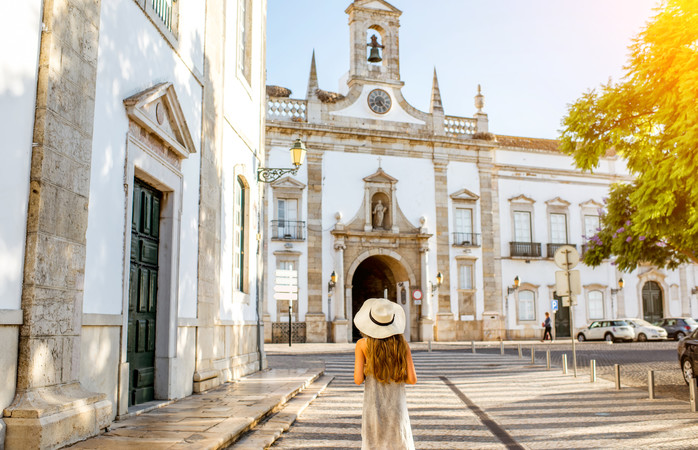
x: 379, y: 5
x: 465, y: 195
x: 159, y: 112
x: 380, y: 177
x: 557, y: 201
x: 591, y: 204
x: 652, y: 274
x: 522, y: 199
x: 288, y: 183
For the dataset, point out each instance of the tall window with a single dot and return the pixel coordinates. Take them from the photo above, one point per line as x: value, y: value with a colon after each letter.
x: 465, y: 276
x: 591, y: 225
x: 527, y: 309
x: 464, y: 220
x: 595, y: 300
x: 558, y: 228
x: 239, y: 236
x: 245, y: 39
x: 522, y: 226
x: 287, y: 215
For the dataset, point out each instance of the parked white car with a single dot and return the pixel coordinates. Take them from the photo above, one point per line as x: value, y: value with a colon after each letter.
x: 607, y: 330
x: 645, y: 331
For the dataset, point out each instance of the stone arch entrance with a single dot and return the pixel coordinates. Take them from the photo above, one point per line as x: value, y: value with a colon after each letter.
x: 374, y: 276
x: 652, y: 302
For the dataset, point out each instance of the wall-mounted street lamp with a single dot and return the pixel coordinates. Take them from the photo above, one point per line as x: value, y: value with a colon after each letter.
x: 333, y: 281
x: 694, y: 290
x: 439, y: 280
x: 511, y: 290
x: 268, y: 175
x: 620, y: 287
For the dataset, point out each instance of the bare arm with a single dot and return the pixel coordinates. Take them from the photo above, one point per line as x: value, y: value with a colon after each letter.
x: 359, y: 361
x: 411, y: 373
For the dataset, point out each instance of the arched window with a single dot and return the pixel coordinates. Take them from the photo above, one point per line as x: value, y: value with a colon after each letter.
x: 595, y: 301
x: 240, y: 235
x: 527, y: 305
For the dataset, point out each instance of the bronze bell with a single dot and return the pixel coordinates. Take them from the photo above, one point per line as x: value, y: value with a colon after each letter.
x: 375, y: 55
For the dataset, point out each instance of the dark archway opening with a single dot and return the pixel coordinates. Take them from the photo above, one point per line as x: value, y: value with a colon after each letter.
x: 371, y: 279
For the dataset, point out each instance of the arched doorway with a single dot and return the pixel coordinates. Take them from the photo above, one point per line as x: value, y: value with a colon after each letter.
x: 652, y: 304
x: 380, y: 276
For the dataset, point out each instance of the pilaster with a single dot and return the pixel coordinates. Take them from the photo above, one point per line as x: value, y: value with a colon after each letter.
x: 205, y: 376
x: 316, y: 328
x: 51, y: 409
x: 442, y: 245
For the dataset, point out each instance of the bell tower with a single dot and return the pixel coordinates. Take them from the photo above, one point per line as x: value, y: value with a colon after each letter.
x: 374, y: 51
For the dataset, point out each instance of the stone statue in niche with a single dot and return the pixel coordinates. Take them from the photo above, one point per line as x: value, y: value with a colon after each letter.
x: 379, y: 214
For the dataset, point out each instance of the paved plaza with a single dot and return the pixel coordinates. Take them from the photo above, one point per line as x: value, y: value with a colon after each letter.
x: 486, y: 400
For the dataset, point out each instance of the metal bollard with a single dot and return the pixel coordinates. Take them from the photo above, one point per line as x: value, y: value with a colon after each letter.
x: 533, y: 355
x: 472, y: 346
x: 616, y: 372
x: 694, y: 395
x: 501, y: 347
x: 547, y: 359
x: 520, y: 354
x: 429, y: 345
x: 564, y: 364
x: 650, y: 383
x: 592, y: 371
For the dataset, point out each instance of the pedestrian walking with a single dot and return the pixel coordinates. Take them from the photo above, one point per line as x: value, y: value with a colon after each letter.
x: 384, y: 361
x: 548, y: 333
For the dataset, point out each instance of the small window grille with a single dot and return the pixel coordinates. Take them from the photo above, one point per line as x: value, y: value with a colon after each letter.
x: 163, y: 9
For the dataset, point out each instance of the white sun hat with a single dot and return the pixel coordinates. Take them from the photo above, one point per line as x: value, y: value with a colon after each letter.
x: 380, y: 318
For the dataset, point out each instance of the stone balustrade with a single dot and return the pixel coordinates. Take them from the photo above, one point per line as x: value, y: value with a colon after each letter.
x: 458, y: 126
x: 282, y: 108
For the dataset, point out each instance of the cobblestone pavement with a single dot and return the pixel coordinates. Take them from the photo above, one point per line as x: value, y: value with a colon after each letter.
x: 465, y: 400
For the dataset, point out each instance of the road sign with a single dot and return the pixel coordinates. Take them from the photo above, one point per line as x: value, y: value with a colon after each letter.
x: 554, y: 305
x: 566, y: 257
x: 567, y: 302
x: 417, y: 295
x: 565, y: 283
x: 285, y: 296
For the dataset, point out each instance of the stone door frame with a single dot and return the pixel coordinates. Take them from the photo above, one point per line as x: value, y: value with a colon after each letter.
x: 412, y: 280
x: 147, y: 165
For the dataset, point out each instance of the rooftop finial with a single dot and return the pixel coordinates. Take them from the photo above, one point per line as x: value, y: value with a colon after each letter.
x: 435, y: 95
x: 479, y: 99
x: 312, y: 79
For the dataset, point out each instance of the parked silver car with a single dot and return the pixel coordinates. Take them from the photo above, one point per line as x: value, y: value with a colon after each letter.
x: 645, y: 331
x: 607, y: 330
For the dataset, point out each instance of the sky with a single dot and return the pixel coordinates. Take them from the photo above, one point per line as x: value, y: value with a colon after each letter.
x: 532, y: 57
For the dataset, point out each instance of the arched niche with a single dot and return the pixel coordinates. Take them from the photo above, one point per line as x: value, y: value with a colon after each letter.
x: 381, y: 211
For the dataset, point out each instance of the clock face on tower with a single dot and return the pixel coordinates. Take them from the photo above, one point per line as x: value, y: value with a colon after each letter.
x: 379, y: 101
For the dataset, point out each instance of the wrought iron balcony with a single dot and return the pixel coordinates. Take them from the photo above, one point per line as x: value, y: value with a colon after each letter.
x: 552, y: 248
x: 288, y: 229
x: 466, y: 239
x: 530, y: 249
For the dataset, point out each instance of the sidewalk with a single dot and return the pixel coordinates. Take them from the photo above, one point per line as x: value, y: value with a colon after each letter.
x: 210, y: 420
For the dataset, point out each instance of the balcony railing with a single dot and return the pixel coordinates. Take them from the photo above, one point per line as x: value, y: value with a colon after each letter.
x: 531, y: 249
x: 552, y: 248
x: 466, y: 239
x: 459, y: 126
x: 282, y: 108
x: 288, y: 229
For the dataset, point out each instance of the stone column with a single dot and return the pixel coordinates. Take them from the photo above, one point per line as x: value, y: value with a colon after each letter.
x: 493, y: 329
x: 51, y: 409
x: 315, y: 323
x: 426, y: 322
x: 208, y: 301
x: 445, y: 325
x: 340, y: 323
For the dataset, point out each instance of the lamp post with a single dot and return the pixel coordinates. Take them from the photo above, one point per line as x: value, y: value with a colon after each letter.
x: 613, y: 293
x: 269, y: 174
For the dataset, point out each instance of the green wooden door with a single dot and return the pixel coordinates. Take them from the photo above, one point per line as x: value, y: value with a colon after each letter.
x: 143, y: 287
x: 562, y: 319
x: 652, y: 304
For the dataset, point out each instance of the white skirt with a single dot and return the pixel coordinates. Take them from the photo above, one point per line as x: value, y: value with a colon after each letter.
x: 385, y: 423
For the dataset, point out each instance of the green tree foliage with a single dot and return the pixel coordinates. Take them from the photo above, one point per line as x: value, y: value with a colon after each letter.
x: 650, y: 119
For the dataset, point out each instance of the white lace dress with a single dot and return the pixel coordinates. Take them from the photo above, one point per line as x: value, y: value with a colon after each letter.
x: 385, y: 423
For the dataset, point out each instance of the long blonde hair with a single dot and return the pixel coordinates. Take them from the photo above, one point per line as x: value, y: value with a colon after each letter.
x: 386, y: 359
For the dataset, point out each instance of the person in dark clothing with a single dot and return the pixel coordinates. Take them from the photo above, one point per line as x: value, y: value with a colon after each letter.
x: 548, y: 333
